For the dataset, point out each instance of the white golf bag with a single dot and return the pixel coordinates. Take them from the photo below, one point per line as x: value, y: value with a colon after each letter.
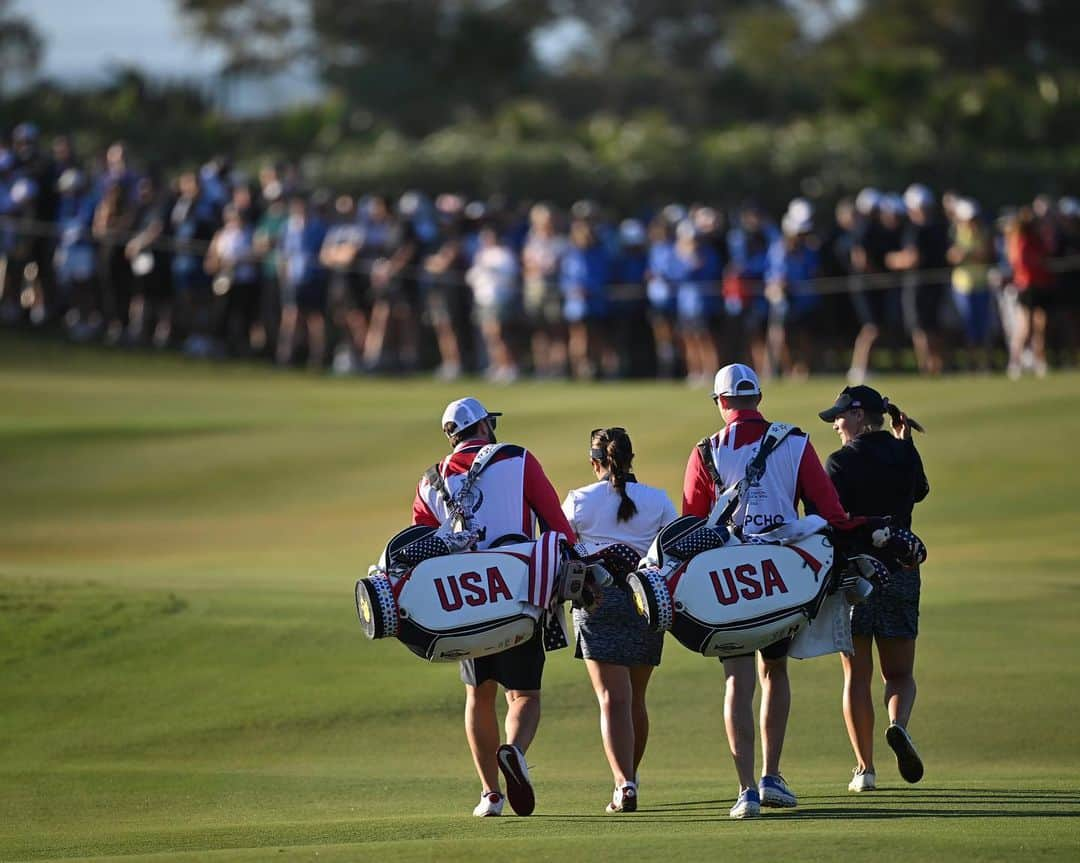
x: 720, y: 597
x: 445, y: 605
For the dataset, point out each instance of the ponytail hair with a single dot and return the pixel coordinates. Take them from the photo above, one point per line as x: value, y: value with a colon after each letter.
x: 895, y: 413
x: 612, y: 448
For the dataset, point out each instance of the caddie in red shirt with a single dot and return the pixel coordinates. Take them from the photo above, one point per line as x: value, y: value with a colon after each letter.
x: 792, y: 473
x: 509, y: 496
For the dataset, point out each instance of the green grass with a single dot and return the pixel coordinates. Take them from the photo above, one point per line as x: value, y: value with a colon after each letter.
x: 182, y: 675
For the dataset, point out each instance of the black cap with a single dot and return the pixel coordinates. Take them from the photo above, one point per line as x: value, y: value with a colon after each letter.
x: 866, y: 398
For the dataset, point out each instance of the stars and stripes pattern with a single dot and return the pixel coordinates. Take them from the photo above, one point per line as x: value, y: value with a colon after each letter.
x: 619, y: 559
x: 697, y: 541
x: 909, y: 549
x: 422, y: 549
x: 544, y: 568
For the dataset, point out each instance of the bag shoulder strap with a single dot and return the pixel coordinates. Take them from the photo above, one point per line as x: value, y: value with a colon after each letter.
x: 434, y: 478
x: 704, y: 449
x: 728, y: 499
x: 437, y: 481
x: 774, y: 435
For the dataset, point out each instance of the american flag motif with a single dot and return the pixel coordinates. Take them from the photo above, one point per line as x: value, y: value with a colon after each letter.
x: 422, y: 549
x: 695, y: 542
x: 555, y: 637
x: 543, y: 568
x: 619, y: 559
x: 909, y: 549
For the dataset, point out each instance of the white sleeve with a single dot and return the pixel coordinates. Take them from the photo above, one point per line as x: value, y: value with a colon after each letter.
x: 569, y: 508
x: 669, y: 514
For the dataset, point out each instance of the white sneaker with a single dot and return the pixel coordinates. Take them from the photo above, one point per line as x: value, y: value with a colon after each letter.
x: 519, y: 790
x: 624, y: 799
x: 862, y: 780
x: 490, y: 805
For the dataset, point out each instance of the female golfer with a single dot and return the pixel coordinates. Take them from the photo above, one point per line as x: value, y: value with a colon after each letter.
x: 616, y: 644
x: 878, y: 473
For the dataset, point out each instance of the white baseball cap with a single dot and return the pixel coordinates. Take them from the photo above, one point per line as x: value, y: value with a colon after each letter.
x: 736, y: 380
x: 867, y: 200
x: 965, y: 209
x: 800, y: 210
x: 792, y: 225
x: 463, y: 413
x: 918, y: 197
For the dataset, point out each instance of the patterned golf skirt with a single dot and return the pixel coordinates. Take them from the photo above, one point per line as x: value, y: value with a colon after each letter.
x: 616, y: 633
x: 892, y: 611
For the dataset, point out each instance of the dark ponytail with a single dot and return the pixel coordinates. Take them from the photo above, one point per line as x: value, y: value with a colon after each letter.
x: 895, y: 413
x: 618, y: 456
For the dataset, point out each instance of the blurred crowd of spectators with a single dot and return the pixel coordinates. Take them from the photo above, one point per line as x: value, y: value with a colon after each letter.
x: 218, y: 263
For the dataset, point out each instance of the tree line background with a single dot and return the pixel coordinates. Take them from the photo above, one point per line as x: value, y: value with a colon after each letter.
x: 629, y: 101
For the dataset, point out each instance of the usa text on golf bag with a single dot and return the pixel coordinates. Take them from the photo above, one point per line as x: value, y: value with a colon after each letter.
x: 446, y: 606
x: 722, y: 599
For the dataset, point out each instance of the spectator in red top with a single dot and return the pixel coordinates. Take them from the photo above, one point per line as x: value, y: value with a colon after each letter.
x: 509, y: 497
x: 1034, y: 284
x: 793, y: 472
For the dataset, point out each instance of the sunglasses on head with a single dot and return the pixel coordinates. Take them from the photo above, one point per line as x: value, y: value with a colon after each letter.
x: 608, y: 433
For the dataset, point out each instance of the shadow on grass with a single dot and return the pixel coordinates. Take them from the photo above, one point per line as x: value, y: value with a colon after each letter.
x: 900, y: 803
x: 926, y: 795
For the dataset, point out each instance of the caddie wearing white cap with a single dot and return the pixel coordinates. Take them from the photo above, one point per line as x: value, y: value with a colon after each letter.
x: 506, y: 495
x: 792, y: 472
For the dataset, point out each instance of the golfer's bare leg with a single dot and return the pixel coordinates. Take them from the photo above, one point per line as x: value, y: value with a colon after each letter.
x: 611, y: 683
x: 859, y: 701
x: 897, y: 657
x: 639, y: 681
x: 522, y: 717
x: 482, y: 731
x: 775, y: 707
x: 739, y: 716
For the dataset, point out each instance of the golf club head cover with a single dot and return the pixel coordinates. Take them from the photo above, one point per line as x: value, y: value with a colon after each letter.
x: 908, y: 548
x: 619, y: 559
x: 870, y: 568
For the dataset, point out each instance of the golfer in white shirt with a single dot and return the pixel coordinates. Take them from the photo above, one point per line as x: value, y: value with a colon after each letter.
x: 615, y: 642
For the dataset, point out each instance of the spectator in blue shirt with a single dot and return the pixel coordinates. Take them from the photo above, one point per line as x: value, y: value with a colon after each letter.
x: 660, y: 278
x: 697, y: 271
x: 75, y: 263
x: 794, y: 261
x: 584, y: 276
x: 627, y: 297
x: 303, y: 283
x: 192, y: 225
x: 749, y: 242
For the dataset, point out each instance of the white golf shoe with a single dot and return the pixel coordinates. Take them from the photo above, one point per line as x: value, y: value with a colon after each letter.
x: 624, y: 799
x: 491, y: 804
x: 862, y: 780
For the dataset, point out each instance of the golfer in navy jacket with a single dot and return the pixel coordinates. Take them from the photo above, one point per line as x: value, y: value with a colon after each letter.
x: 878, y: 472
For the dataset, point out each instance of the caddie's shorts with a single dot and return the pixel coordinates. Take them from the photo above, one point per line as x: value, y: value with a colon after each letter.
x: 892, y: 611
x: 520, y: 667
x: 776, y: 650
